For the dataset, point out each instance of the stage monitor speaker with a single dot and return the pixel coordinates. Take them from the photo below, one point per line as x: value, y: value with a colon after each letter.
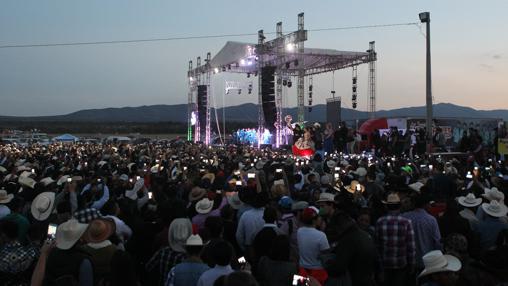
x: 202, y: 103
x: 333, y: 110
x: 268, y: 96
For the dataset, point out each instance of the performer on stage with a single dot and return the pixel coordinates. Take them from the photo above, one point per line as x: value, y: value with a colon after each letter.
x: 288, y: 130
x: 304, y: 146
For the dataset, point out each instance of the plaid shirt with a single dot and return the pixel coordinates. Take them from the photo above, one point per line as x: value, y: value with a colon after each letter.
x: 165, y: 259
x: 16, y: 258
x: 87, y: 215
x: 396, y: 241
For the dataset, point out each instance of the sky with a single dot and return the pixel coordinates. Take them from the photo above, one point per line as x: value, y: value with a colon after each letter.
x: 469, y: 50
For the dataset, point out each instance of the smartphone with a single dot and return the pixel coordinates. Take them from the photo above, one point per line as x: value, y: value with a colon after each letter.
x: 218, y: 192
x: 431, y: 167
x: 278, y: 170
x: 150, y: 195
x: 336, y: 176
x: 300, y: 280
x: 242, y: 260
x: 185, y: 168
x: 69, y: 180
x: 137, y: 178
x: 238, y: 183
x: 237, y: 173
x: 251, y: 175
x: 337, y: 168
x: 99, y: 180
x: 52, y: 230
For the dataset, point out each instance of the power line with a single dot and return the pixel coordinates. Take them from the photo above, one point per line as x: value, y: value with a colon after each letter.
x: 9, y: 46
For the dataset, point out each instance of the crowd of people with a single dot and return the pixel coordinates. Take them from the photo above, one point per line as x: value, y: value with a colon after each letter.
x: 180, y: 213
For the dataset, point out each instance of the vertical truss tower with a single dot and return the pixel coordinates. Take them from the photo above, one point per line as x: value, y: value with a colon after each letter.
x: 372, y: 79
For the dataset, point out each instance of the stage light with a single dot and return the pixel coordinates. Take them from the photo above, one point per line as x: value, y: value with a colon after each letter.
x: 215, y: 70
x: 240, y: 91
x: 287, y: 65
x: 354, y: 88
x: 256, y: 73
x: 290, y: 83
x: 223, y: 69
x: 310, y: 87
x: 284, y: 82
x: 229, y: 67
x: 191, y: 78
x: 248, y: 74
x: 242, y: 62
x: 354, y: 80
x: 296, y: 63
x: 227, y: 91
x: 279, y: 80
x: 290, y: 47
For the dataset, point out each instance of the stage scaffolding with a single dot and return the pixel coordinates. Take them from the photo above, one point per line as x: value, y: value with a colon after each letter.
x: 290, y: 58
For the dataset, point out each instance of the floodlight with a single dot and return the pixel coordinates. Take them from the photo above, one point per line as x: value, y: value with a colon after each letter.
x: 424, y: 17
x: 290, y: 47
x: 290, y: 83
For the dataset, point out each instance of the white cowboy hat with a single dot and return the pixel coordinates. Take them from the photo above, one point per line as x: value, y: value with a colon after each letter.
x: 495, y: 209
x: 392, y: 199
x: 43, y: 205
x: 204, y: 206
x: 234, y: 200
x: 493, y: 194
x: 2, y: 169
x: 179, y: 231
x: 62, y: 180
x: 416, y: 186
x: 68, y: 233
x: 469, y: 200
x: 194, y: 240
x: 360, y: 172
x: 435, y: 261
x: 4, y: 197
x: 101, y: 163
x: 27, y: 182
x: 46, y: 181
x: 326, y: 198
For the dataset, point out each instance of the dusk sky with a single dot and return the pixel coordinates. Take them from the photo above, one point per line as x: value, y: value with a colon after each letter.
x: 469, y: 50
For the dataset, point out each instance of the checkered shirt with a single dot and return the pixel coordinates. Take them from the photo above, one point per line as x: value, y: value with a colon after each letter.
x: 87, y: 215
x: 395, y: 241
x: 163, y: 261
x: 16, y: 258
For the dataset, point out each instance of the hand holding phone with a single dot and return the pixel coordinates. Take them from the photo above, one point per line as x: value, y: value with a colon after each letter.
x: 52, y: 231
x: 300, y: 280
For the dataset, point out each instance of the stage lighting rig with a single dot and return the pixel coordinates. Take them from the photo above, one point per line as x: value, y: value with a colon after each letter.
x: 290, y: 83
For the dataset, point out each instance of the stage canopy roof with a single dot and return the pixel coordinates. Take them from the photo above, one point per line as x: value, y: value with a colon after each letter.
x: 240, y: 57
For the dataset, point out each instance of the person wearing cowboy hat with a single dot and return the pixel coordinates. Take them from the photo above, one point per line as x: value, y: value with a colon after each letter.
x: 66, y: 260
x: 99, y: 247
x: 426, y: 230
x: 396, y: 243
x: 469, y: 204
x: 490, y: 227
x: 440, y: 269
x: 43, y: 205
x: 189, y: 271
x: 204, y: 210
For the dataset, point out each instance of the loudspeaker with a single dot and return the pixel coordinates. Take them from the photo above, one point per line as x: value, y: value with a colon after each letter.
x: 333, y: 108
x: 202, y: 103
x: 268, y: 96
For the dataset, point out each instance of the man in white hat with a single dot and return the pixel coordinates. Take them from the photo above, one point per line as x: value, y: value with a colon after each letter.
x: 65, y: 260
x: 396, y: 243
x: 189, y: 271
x: 490, y: 227
x: 440, y: 269
x: 470, y: 204
x: 43, y: 205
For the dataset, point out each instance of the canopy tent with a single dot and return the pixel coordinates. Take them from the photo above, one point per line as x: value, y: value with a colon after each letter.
x: 66, y: 138
x: 382, y: 123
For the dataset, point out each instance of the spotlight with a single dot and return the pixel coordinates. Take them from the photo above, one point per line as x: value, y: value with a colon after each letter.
x: 424, y: 17
x: 354, y: 105
x: 310, y: 94
x: 287, y: 65
x: 284, y: 82
x: 290, y: 83
x: 354, y: 88
x: 240, y: 91
x: 215, y: 70
x: 353, y: 97
x: 279, y: 80
x: 354, y: 80
x: 223, y: 69
x: 290, y: 47
x: 310, y: 87
x: 296, y: 63
x: 256, y: 73
x: 191, y: 78
x: 229, y: 67
x: 227, y: 91
x: 248, y: 74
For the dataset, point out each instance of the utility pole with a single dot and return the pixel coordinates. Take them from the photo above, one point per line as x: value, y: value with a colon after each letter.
x: 425, y: 18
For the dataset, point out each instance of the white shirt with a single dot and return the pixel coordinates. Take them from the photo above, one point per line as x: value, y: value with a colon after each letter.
x: 311, y: 242
x: 123, y: 231
x: 251, y: 222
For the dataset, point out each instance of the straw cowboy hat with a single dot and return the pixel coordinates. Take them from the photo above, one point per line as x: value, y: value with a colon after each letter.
x: 355, y: 186
x: 392, y: 199
x: 360, y: 172
x: 326, y: 198
x: 495, y: 209
x: 68, y: 233
x: 209, y: 176
x: 62, y: 180
x: 469, y: 200
x: 100, y: 230
x: 47, y: 181
x: 4, y: 197
x: 416, y: 186
x: 179, y: 231
x: 196, y: 193
x: 27, y: 182
x: 43, y: 205
x: 2, y: 169
x: 204, y: 206
x: 435, y: 261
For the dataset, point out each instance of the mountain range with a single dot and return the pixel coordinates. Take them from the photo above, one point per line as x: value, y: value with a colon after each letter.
x: 248, y: 113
